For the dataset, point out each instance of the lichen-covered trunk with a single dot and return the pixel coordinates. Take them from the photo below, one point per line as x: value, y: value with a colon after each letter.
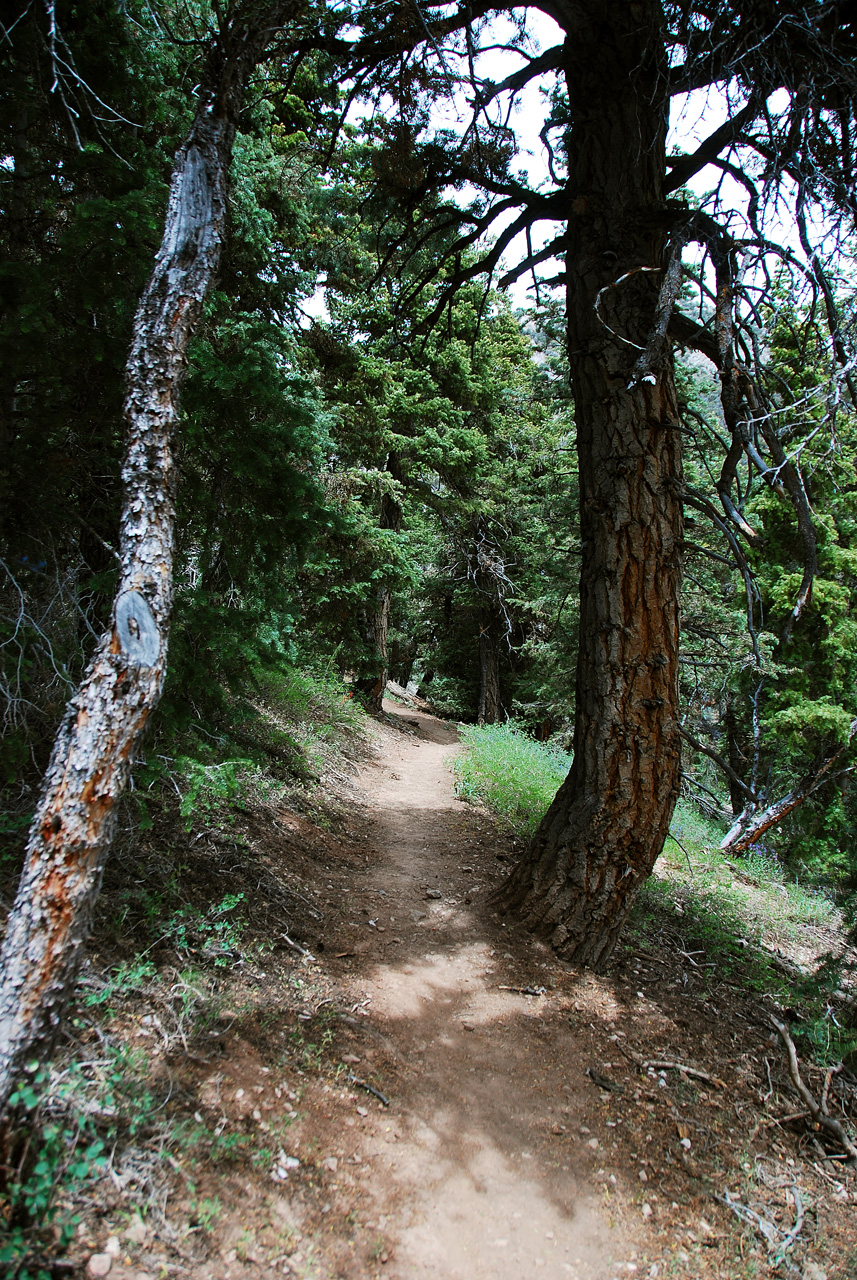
x: 607, y: 825
x: 94, y: 750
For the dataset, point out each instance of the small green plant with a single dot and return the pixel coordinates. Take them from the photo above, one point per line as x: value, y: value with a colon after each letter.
x: 515, y: 776
x: 208, y: 787
x: 58, y: 1152
x: 127, y: 979
x: 206, y: 1212
x: 215, y: 933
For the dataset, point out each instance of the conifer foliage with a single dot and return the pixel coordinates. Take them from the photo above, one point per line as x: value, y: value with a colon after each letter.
x: 415, y: 479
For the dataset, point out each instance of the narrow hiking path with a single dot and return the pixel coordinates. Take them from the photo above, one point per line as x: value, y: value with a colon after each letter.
x: 484, y: 1175
x: 411, y: 1086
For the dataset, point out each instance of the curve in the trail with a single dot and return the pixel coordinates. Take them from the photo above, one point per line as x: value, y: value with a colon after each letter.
x: 481, y: 1165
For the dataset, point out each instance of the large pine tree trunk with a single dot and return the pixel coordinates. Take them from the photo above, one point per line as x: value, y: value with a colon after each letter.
x: 607, y: 825
x: 95, y: 747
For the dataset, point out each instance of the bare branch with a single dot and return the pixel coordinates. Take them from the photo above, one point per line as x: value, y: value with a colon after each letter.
x: 822, y: 1121
x: 682, y: 168
x: 721, y: 764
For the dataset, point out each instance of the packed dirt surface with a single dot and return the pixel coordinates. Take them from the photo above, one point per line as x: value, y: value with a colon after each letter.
x: 482, y: 1179
x: 414, y: 1087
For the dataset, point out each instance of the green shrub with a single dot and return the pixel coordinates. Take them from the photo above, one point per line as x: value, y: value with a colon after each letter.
x: 515, y: 776
x: 216, y: 933
x: 60, y: 1153
x: 312, y: 700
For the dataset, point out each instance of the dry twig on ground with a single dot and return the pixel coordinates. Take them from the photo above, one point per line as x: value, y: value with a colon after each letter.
x: 820, y: 1119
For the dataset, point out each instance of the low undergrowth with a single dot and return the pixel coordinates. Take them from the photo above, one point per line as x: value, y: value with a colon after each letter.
x: 750, y: 923
x: 511, y: 773
x: 216, y: 862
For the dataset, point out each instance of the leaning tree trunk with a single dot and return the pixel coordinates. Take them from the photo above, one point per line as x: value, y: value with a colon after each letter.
x: 607, y: 825
x: 94, y: 750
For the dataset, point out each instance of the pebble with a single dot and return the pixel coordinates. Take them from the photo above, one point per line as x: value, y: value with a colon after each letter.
x: 136, y: 1231
x: 99, y: 1265
x: 646, y: 1211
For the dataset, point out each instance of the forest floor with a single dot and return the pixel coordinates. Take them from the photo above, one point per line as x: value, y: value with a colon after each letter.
x: 411, y: 1086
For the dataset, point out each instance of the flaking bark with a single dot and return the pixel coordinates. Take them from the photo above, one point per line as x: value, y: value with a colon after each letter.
x: 95, y: 747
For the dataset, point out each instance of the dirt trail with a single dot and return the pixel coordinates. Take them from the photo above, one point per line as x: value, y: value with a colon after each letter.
x: 391, y: 1103
x: 379, y: 1097
x: 480, y: 1162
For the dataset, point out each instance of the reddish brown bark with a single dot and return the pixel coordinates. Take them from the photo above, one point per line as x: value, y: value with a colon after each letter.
x: 607, y: 825
x: 94, y: 750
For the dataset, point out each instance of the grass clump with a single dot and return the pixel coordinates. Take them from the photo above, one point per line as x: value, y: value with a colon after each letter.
x: 756, y: 887
x: 748, y: 922
x: 511, y: 773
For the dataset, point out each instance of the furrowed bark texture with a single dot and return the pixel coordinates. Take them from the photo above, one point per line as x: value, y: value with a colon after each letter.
x: 94, y: 750
x: 607, y: 825
x: 490, y: 706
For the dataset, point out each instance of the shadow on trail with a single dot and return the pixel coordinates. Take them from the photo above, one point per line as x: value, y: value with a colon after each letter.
x: 489, y: 1085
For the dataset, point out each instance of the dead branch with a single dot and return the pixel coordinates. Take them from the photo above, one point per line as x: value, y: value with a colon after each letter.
x: 789, y: 1241
x: 752, y: 825
x: 686, y: 1071
x: 820, y: 1120
x: 295, y: 947
x: 778, y: 1120
x: 651, y: 359
x: 765, y: 1228
x: 370, y: 1088
x: 718, y: 760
